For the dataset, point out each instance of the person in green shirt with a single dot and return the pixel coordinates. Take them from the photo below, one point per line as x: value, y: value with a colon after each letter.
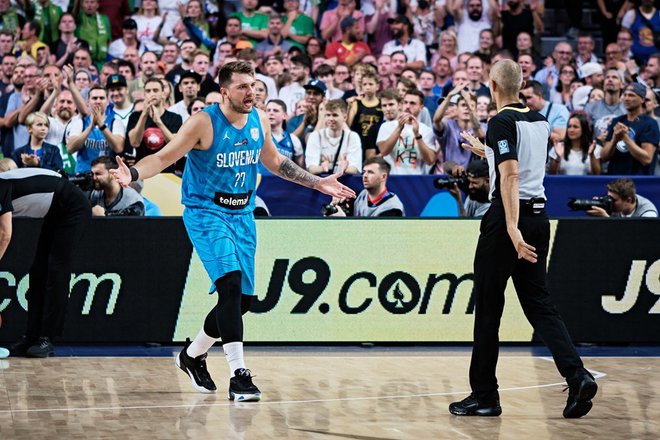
x: 48, y: 15
x: 254, y: 24
x: 298, y: 27
x: 94, y: 28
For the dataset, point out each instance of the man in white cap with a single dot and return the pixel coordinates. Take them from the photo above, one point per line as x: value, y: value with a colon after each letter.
x: 592, y: 75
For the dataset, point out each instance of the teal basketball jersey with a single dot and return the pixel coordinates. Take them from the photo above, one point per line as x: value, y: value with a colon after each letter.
x: 225, y: 176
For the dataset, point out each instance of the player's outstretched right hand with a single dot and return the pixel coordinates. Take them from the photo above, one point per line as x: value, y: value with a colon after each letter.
x: 122, y: 174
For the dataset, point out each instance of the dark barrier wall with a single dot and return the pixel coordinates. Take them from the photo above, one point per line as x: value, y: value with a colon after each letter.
x: 137, y: 280
x: 288, y: 199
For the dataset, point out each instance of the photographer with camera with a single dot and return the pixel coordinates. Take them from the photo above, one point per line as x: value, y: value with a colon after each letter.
x: 40, y: 193
x: 109, y: 198
x: 624, y: 202
x: 374, y: 200
x: 474, y: 181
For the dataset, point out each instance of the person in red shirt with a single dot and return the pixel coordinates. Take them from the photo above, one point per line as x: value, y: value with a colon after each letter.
x: 349, y: 50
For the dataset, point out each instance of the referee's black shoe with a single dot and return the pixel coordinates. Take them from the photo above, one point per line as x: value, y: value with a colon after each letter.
x: 41, y: 349
x: 195, y: 368
x: 471, y: 406
x: 20, y: 347
x: 581, y: 389
x: 241, y: 388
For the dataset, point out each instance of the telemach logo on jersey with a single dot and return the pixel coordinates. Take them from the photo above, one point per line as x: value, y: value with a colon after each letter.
x: 232, y: 201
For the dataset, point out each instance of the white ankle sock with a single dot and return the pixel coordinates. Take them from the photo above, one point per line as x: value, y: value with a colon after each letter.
x: 201, y: 344
x: 234, y: 355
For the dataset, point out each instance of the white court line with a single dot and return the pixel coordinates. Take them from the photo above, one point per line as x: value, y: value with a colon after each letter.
x: 597, y: 374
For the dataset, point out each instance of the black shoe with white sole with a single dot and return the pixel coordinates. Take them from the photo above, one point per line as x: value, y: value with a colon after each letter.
x: 195, y: 368
x: 241, y: 388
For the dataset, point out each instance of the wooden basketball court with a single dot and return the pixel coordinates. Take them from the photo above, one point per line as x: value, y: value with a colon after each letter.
x: 321, y: 393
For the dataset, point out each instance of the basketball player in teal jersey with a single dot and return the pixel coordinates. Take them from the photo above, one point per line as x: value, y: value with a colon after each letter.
x: 224, y: 144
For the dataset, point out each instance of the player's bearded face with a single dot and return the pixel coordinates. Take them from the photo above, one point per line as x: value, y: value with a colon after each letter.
x: 241, y: 98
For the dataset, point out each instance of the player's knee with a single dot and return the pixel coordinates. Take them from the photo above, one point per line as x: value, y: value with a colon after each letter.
x: 229, y: 287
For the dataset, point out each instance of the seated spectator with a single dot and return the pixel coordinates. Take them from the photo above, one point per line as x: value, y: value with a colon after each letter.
x: 626, y: 203
x: 254, y: 25
x: 189, y: 89
x: 560, y: 93
x: 556, y: 114
x: 407, y: 144
x: 109, y: 198
x: 475, y: 72
x: 472, y: 18
x: 129, y: 39
x: 120, y: 105
x: 577, y: 154
x: 260, y: 95
x: 334, y: 142
x: 561, y: 56
x: 302, y: 124
x: 37, y: 153
x: 194, y: 25
x: 477, y: 201
x: 374, y: 200
x: 300, y: 67
x: 632, y: 139
x: 644, y: 16
x: 451, y: 128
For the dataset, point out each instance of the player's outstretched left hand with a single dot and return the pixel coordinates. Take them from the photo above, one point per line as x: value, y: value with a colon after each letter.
x: 331, y: 186
x: 122, y: 174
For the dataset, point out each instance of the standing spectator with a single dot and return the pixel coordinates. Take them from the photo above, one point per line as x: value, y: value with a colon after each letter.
x: 274, y: 67
x: 109, y: 198
x: 287, y: 144
x: 632, y: 139
x: 475, y: 72
x: 365, y: 112
x: 149, y: 22
x: 399, y: 61
x: 646, y: 15
x: 254, y: 25
x: 169, y: 56
x: 298, y: 28
x: 94, y: 28
x: 116, y: 11
x: 624, y: 40
x: 189, y: 88
x: 614, y: 57
x: 93, y: 133
x: 471, y: 20
x: 149, y: 130
x: 556, y: 114
x: 294, y: 92
x: 443, y: 74
x: 274, y: 43
x: 120, y: 106
x: 561, y: 56
x: 128, y: 39
x: 414, y: 49
x: 303, y: 124
x: 331, y: 21
x: 561, y: 93
x: 520, y: 17
x: 328, y: 146
x: 67, y: 44
x: 10, y: 18
x: 610, y: 13
x: 585, y: 49
x: 451, y: 129
x: 64, y: 109
x: 17, y: 100
x: 349, y: 50
x: 528, y: 66
x: 577, y: 154
x: 188, y: 48
x: 48, y: 16
x: 406, y: 144
x: 377, y: 29
x: 37, y: 153
x: 250, y: 55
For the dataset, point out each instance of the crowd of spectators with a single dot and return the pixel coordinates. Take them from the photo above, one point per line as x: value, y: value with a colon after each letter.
x: 340, y: 80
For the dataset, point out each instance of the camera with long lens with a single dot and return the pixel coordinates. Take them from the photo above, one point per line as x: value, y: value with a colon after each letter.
x: 448, y: 182
x: 605, y: 202
x: 84, y: 181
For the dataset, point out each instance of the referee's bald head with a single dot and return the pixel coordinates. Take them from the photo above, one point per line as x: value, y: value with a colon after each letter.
x: 507, y: 75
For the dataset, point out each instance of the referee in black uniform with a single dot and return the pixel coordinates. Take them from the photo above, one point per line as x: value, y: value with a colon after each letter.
x: 514, y: 241
x: 41, y: 193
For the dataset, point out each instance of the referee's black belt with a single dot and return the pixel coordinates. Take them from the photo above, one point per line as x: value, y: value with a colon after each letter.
x: 535, y: 205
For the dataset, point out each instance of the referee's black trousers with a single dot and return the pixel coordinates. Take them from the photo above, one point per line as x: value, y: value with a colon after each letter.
x: 495, y: 262
x: 50, y: 274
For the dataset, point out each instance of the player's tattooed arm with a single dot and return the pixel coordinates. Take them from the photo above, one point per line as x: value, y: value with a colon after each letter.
x: 290, y: 171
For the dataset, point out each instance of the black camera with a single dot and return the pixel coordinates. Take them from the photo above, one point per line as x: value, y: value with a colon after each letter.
x: 84, y: 181
x: 448, y: 182
x: 329, y: 209
x: 605, y: 202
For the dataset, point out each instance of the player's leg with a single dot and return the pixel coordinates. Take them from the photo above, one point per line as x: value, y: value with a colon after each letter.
x: 530, y: 282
